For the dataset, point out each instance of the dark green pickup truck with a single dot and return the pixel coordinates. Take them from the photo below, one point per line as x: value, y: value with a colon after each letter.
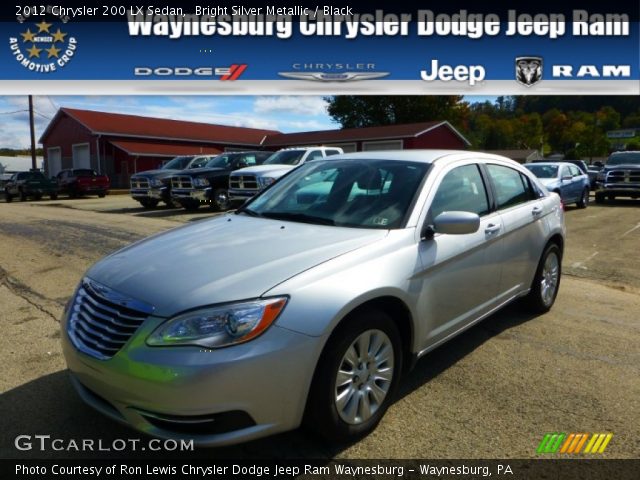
x: 32, y: 184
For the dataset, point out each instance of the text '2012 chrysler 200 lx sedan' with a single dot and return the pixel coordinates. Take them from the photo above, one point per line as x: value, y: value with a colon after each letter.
x: 308, y: 303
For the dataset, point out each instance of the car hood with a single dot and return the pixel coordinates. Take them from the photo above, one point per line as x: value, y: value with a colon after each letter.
x: 622, y: 166
x: 160, y: 173
x: 266, y: 170
x: 196, y: 172
x: 225, y: 259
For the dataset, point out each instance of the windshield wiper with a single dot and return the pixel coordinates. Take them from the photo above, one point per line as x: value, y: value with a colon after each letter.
x: 248, y: 211
x: 298, y: 217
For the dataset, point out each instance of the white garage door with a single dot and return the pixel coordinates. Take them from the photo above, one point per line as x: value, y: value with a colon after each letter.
x: 54, y: 160
x: 346, y: 147
x: 382, y: 145
x: 81, y: 156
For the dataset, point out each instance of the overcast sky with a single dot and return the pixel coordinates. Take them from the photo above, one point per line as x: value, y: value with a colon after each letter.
x: 284, y: 113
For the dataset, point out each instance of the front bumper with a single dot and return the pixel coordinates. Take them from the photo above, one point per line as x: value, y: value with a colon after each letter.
x: 241, y: 195
x: 244, y: 392
x: 152, y: 193
x: 618, y: 189
x: 200, y: 194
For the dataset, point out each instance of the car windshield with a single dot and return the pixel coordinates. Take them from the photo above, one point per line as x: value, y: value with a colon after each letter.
x: 221, y: 161
x: 178, y: 163
x: 84, y: 172
x: 631, y: 158
x: 544, y: 171
x: 285, y: 157
x: 360, y: 193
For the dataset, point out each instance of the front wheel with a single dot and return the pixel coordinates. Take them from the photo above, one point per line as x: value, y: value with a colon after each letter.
x: 148, y: 203
x: 220, y: 200
x: 584, y: 200
x: 23, y: 196
x: 599, y: 197
x: 102, y: 194
x: 7, y: 196
x: 356, y: 377
x: 547, y: 280
x: 53, y: 196
x: 190, y: 205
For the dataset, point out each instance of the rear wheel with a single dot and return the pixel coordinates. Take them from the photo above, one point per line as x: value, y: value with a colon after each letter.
x: 356, y: 377
x: 220, y: 200
x: 102, y: 194
x: 584, y: 200
x: 148, y: 203
x: 23, y: 196
x: 547, y: 280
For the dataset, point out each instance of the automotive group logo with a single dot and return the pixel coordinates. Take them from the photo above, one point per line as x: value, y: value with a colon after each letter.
x: 43, y: 47
x: 528, y: 70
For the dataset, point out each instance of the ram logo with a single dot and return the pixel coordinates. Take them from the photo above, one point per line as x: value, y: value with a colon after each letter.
x: 528, y: 70
x: 568, y: 71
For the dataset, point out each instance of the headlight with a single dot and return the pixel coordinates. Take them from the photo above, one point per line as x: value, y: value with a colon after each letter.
x: 219, y: 326
x: 155, y: 182
x: 200, y: 182
x: 265, y: 181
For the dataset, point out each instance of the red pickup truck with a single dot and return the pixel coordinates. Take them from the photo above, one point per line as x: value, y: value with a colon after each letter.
x: 82, y: 181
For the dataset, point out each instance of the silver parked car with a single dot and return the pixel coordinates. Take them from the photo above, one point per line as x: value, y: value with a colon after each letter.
x: 565, y: 179
x: 309, y: 302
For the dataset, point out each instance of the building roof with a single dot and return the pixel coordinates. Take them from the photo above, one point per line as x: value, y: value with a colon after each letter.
x: 406, y: 130
x: 135, y: 126
x: 518, y: 155
x: 149, y: 149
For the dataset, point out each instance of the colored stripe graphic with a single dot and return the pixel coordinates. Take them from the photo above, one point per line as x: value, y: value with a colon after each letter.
x: 234, y: 72
x: 572, y: 443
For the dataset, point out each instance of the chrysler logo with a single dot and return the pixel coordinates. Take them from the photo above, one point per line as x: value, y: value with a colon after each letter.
x: 333, y: 76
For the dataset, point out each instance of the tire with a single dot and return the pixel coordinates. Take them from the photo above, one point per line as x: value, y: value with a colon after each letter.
x: 53, y: 196
x: 584, y: 200
x: 546, y: 282
x: 599, y: 197
x: 102, y: 194
x: 191, y: 205
x: 170, y: 203
x: 149, y: 203
x: 220, y: 200
x: 7, y: 196
x: 23, y: 196
x: 337, y: 412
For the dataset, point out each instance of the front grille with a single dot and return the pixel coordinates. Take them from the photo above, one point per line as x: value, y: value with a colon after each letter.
x: 181, y: 182
x: 101, y: 320
x: 139, y: 183
x: 623, y: 176
x: 243, y: 182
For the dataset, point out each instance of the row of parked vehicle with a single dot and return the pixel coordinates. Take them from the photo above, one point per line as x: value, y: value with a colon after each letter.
x: 219, y: 181
x: 573, y: 179
x: 72, y: 182
x: 226, y: 180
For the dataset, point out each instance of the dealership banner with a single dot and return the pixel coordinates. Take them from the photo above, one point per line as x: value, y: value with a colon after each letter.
x: 319, y: 49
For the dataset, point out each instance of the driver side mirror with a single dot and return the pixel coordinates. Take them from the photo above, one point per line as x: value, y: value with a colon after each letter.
x: 453, y: 223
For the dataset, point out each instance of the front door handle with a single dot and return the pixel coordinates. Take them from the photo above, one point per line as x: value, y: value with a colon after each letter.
x: 536, y: 211
x: 491, y: 229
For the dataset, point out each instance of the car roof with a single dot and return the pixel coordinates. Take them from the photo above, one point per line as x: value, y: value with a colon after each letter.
x: 553, y: 164
x: 422, y: 156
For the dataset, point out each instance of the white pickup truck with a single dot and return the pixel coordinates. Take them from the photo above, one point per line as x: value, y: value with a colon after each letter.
x: 246, y: 182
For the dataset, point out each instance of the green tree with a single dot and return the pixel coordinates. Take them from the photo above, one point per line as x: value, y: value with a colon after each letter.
x: 354, y: 111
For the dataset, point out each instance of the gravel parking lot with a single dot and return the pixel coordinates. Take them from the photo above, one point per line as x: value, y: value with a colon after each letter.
x: 491, y: 393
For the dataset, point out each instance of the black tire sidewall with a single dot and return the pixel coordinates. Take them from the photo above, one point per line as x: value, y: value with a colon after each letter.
x: 535, y: 296
x: 322, y: 415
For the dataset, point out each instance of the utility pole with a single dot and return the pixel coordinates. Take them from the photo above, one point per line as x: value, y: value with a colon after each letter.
x: 33, y: 134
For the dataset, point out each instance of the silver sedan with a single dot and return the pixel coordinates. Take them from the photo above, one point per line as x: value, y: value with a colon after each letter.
x: 307, y: 304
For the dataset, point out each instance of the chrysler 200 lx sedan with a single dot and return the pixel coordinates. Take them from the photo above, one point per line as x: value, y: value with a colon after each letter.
x: 307, y: 304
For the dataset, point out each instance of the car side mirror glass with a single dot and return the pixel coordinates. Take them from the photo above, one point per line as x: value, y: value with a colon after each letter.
x: 453, y: 223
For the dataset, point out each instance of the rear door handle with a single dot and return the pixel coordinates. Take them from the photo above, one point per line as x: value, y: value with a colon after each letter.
x: 491, y: 229
x: 536, y: 211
